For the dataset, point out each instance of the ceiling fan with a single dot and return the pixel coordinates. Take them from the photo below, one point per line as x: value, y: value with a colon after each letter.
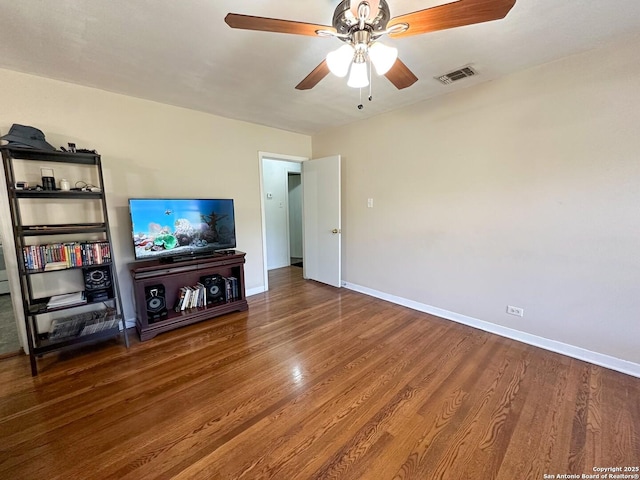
x: 361, y: 23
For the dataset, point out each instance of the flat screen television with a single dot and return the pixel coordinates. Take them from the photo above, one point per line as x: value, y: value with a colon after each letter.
x: 174, y: 229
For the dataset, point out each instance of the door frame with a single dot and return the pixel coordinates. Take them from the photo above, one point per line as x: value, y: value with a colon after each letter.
x: 289, y: 203
x: 271, y: 156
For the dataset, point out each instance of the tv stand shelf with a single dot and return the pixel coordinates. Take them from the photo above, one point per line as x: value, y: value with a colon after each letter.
x: 171, y: 277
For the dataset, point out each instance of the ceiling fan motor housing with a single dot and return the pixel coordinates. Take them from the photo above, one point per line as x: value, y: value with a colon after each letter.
x: 345, y: 22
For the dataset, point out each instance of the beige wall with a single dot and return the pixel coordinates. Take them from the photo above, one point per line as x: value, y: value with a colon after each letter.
x: 523, y: 191
x: 151, y: 150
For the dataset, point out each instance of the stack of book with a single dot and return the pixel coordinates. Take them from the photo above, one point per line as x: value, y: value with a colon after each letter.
x: 66, y: 300
x: 191, y: 297
x: 66, y: 327
x: 57, y: 256
x: 83, y: 324
x: 99, y: 321
x: 196, y: 295
x: 231, y: 292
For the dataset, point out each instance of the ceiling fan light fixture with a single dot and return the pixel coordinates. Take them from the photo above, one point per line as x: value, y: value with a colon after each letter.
x: 358, y: 78
x: 339, y: 60
x: 382, y: 57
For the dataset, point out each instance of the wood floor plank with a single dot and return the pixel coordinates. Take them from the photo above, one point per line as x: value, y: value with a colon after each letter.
x: 535, y: 434
x: 315, y: 382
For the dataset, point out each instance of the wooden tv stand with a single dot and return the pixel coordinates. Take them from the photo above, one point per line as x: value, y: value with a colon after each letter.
x: 173, y: 276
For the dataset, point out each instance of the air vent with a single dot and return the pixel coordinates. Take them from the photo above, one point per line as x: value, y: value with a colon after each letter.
x: 456, y: 75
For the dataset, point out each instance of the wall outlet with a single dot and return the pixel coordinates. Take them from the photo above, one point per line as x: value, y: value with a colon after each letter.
x: 369, y: 202
x: 515, y: 311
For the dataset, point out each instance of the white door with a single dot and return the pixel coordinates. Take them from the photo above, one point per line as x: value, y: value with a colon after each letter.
x: 322, y: 223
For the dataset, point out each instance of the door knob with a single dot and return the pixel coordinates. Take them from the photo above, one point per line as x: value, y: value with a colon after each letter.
x: 335, y: 230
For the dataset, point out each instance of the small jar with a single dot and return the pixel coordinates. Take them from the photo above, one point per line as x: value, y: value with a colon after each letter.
x: 65, y: 185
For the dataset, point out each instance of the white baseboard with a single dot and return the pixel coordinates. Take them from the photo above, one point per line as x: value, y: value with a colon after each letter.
x: 607, y: 361
x: 255, y: 291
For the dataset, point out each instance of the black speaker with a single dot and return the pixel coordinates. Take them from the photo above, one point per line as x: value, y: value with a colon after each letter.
x: 155, y: 300
x: 215, y: 286
x: 97, y: 278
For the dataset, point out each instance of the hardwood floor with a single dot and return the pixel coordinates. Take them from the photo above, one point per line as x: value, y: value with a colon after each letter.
x: 316, y: 383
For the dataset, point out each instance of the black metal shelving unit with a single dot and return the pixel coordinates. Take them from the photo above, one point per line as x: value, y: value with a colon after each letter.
x: 42, y: 341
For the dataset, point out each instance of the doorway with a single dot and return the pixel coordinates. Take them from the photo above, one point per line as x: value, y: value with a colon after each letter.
x: 274, y: 186
x: 12, y: 327
x: 320, y: 192
x: 283, y: 211
x: 9, y: 339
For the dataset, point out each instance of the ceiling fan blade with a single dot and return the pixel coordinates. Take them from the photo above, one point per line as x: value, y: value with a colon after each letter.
x: 314, y: 77
x: 451, y: 15
x: 247, y: 22
x: 400, y: 75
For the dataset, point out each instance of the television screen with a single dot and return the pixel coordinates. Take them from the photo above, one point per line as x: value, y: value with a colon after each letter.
x: 171, y: 227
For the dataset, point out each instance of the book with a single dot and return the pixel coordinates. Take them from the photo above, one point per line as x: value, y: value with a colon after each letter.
x: 178, y: 305
x: 194, y: 297
x: 234, y: 288
x: 66, y: 300
x: 187, y: 296
x: 203, y: 294
x: 228, y: 295
x: 56, y: 266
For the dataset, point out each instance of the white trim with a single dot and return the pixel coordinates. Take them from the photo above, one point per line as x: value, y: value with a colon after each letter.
x: 263, y: 226
x: 280, y: 156
x: 255, y: 291
x: 607, y: 361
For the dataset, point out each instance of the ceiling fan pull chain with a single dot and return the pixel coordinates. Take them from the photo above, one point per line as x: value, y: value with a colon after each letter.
x: 370, y: 81
x: 360, y: 105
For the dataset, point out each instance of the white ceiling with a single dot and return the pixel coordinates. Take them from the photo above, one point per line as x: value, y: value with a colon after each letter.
x: 182, y: 53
